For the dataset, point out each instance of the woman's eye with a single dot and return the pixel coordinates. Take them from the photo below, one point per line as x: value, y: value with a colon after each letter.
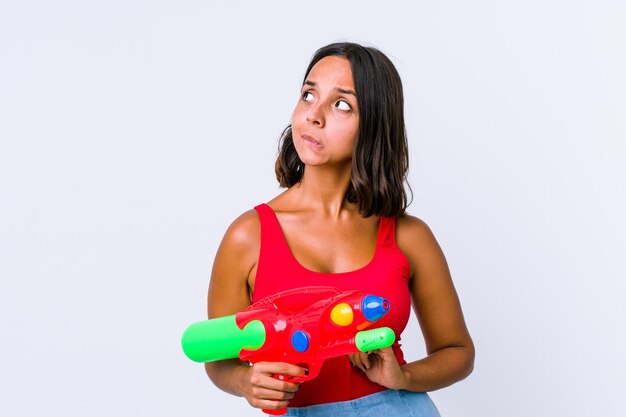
x: 342, y: 105
x: 307, y: 96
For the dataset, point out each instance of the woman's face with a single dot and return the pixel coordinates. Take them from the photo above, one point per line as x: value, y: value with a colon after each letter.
x: 326, y: 119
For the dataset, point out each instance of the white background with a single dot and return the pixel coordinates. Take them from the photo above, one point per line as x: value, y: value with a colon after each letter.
x: 132, y: 133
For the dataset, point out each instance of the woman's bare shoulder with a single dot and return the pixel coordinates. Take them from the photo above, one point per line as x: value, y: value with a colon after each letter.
x: 244, y: 231
x: 238, y: 252
x: 236, y: 257
x: 411, y: 227
x: 416, y: 240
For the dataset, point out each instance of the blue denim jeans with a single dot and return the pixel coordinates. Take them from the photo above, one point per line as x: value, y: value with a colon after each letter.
x: 389, y: 403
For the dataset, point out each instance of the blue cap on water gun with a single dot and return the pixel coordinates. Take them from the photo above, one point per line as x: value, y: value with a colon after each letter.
x: 374, y: 307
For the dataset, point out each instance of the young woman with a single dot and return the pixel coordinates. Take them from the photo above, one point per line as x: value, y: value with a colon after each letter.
x: 342, y: 222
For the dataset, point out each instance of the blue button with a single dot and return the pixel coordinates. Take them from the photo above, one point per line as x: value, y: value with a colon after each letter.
x: 300, y: 340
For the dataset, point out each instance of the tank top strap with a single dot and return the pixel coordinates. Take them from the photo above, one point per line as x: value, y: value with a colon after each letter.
x: 273, y: 242
x: 387, y: 233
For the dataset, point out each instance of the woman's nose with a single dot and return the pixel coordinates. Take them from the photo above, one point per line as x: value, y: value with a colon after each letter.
x: 316, y: 115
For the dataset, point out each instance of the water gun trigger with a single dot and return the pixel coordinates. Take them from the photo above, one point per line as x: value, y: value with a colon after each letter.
x: 312, y: 369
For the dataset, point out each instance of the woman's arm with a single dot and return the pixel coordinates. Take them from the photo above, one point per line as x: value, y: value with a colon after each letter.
x: 438, y: 310
x: 229, y: 293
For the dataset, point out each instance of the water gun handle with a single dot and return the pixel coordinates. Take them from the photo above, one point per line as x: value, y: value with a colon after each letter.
x: 280, y: 411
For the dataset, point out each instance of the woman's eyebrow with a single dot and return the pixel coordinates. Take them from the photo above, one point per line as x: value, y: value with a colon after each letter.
x: 340, y: 90
x: 343, y: 91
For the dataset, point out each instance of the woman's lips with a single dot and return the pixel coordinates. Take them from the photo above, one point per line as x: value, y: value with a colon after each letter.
x: 312, y: 140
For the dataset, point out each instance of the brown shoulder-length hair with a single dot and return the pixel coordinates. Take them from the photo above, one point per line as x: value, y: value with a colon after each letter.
x: 381, y: 157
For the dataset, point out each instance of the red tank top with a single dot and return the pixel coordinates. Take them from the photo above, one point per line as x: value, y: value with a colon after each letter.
x: 386, y: 275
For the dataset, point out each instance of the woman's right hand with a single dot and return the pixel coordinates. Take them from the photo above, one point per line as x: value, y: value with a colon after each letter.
x: 262, y: 390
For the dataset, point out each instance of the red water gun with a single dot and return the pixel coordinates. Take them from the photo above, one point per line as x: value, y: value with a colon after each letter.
x: 304, y: 327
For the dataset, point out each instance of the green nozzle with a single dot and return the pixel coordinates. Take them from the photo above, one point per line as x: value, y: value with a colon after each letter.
x: 221, y: 338
x: 367, y: 340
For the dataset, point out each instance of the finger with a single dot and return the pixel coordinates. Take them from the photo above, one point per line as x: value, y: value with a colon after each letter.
x: 274, y: 384
x: 281, y: 368
x: 366, y: 360
x: 359, y: 360
x: 268, y: 404
x: 272, y: 395
x: 354, y: 357
x: 356, y: 361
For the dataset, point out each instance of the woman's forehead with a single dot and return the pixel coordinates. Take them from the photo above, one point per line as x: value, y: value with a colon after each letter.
x: 333, y: 70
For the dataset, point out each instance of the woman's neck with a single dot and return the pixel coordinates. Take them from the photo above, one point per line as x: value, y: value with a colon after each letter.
x: 324, y: 189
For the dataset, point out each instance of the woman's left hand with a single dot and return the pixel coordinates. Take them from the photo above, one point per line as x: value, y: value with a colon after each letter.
x: 380, y: 366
